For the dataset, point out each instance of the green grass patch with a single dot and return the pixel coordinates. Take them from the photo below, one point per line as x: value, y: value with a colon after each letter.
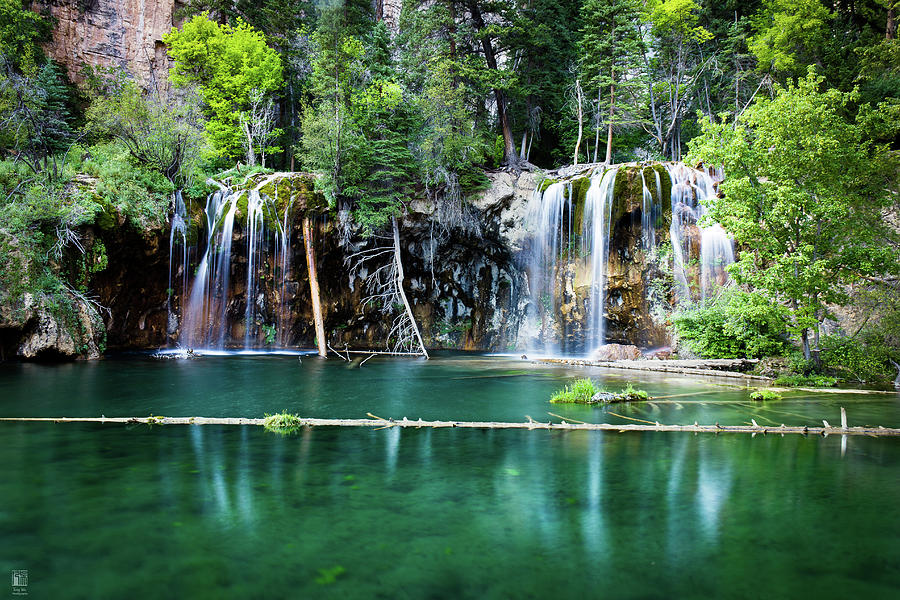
x: 630, y: 394
x: 583, y: 391
x: 282, y: 423
x: 764, y: 395
x: 797, y: 380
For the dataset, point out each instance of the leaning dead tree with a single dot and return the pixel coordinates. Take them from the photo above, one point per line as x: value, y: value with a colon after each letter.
x: 381, y: 270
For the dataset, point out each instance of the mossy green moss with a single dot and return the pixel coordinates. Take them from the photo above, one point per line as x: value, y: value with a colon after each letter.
x: 545, y: 183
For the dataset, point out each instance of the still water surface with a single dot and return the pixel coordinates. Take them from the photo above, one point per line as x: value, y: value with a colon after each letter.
x: 103, y: 511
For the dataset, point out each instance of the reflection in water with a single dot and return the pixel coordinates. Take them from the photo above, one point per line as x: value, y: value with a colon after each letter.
x: 445, y: 513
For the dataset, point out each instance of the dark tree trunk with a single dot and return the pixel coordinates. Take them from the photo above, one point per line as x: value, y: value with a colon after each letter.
x: 509, y: 144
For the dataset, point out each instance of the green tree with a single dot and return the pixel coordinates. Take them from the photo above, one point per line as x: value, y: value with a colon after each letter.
x: 790, y: 34
x: 163, y: 134
x: 380, y: 168
x: 21, y: 33
x: 233, y: 66
x: 328, y: 127
x: 674, y: 68
x: 804, y: 198
x: 610, y: 52
x: 35, y: 121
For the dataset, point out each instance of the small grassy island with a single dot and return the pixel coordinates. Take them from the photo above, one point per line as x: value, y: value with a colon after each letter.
x: 585, y: 391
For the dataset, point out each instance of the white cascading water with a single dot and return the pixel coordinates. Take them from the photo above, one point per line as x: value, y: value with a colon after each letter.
x: 283, y: 260
x: 177, y: 264
x: 255, y: 246
x: 550, y: 218
x: 596, y: 229
x: 650, y: 213
x: 205, y: 323
x: 691, y: 190
x: 551, y: 215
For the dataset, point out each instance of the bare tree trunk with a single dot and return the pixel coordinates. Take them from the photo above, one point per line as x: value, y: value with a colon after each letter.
x: 597, y: 128
x: 400, y: 291
x: 890, y: 32
x: 580, y: 117
x: 612, y: 95
x: 314, y: 285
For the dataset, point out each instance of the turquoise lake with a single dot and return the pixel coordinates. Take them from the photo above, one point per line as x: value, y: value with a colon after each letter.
x: 112, y: 511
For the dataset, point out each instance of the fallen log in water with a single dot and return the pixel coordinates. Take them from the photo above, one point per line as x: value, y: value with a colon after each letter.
x: 709, y: 368
x: 530, y: 424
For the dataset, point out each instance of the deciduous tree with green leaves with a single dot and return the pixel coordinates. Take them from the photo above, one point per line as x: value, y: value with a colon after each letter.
x: 233, y: 67
x: 804, y: 195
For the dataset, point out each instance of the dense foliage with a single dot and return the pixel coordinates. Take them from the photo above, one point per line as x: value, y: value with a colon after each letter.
x: 734, y: 324
x: 799, y: 101
x: 805, y: 192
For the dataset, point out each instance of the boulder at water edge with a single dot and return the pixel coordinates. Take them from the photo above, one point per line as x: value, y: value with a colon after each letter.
x: 617, y: 352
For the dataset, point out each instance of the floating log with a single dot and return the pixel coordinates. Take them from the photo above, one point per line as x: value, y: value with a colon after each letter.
x: 564, y: 425
x: 710, y: 368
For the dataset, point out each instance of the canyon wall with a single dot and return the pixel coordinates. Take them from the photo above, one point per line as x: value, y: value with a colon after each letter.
x: 119, y: 34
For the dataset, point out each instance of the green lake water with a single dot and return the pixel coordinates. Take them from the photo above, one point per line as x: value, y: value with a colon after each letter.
x: 111, y: 511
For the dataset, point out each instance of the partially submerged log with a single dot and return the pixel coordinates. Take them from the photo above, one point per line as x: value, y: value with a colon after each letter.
x: 565, y: 425
x: 708, y: 368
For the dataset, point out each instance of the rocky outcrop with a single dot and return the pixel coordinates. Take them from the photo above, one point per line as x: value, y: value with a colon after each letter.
x: 50, y: 329
x: 504, y: 205
x: 120, y: 34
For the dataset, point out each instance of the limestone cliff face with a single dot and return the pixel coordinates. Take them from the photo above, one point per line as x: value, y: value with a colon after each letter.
x: 123, y: 34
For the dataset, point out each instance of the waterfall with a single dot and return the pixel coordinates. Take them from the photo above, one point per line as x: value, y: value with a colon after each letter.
x: 597, y: 228
x: 650, y: 212
x: 177, y: 264
x: 254, y: 231
x: 283, y: 260
x: 208, y: 319
x: 691, y: 190
x: 568, y: 260
x: 550, y: 214
x: 204, y: 324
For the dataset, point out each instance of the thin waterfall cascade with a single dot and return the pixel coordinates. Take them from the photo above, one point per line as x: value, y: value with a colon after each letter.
x: 178, y: 261
x: 594, y: 245
x: 597, y: 229
x: 211, y: 317
x: 551, y: 213
x: 692, y: 190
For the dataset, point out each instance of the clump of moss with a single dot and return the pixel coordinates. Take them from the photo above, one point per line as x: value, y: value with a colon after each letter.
x: 765, y: 395
x: 282, y: 423
x: 545, y: 183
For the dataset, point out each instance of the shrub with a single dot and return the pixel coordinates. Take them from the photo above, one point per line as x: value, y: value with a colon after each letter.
x: 283, y: 423
x: 584, y: 391
x: 852, y: 359
x: 735, y: 324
